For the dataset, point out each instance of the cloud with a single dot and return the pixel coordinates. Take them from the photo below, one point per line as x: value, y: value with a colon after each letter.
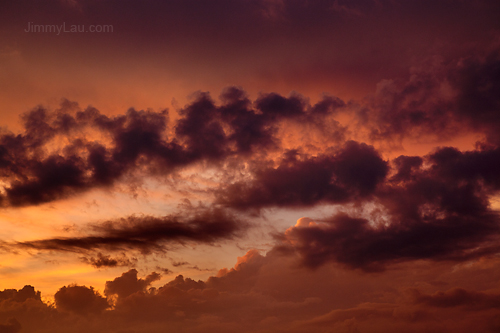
x: 35, y: 174
x: 13, y: 326
x: 437, y: 210
x: 353, y: 172
x: 357, y: 244
x: 164, y: 270
x: 80, y: 300
x: 201, y: 269
x: 128, y: 283
x: 242, y: 276
x: 102, y: 260
x: 179, y: 263
x: 23, y: 310
x: 251, y: 129
x: 360, y: 313
x: 255, y: 295
x: 28, y: 292
x: 442, y: 97
x: 138, y: 141
x: 145, y: 233
x: 458, y: 297
x: 477, y: 82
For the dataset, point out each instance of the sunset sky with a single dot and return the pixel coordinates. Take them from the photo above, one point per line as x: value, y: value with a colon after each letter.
x: 249, y: 166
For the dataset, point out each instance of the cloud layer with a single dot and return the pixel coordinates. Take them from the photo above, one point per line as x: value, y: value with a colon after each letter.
x: 255, y: 295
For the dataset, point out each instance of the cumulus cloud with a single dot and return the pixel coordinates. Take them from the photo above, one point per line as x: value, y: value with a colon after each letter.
x: 23, y: 310
x: 128, y: 283
x: 12, y: 326
x: 442, y: 97
x: 439, y: 211
x: 137, y: 141
x: 27, y: 292
x: 255, y: 295
x: 353, y: 172
x: 80, y: 300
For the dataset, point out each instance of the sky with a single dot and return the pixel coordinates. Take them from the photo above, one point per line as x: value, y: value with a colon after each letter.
x: 249, y: 165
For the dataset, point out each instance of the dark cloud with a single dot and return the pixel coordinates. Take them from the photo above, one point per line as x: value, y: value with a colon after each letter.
x: 201, y: 269
x: 329, y: 104
x: 80, y: 300
x: 201, y: 130
x: 146, y: 233
x: 36, y: 175
x: 54, y: 178
x: 182, y: 283
x: 128, y: 284
x: 102, y: 260
x: 250, y: 129
x: 357, y: 244
x: 21, y: 295
x: 406, y: 167
x: 139, y: 142
x: 471, y: 166
x: 352, y: 172
x: 275, y: 106
x: 179, y: 263
x: 12, y: 326
x: 242, y: 276
x: 458, y: 297
x: 477, y: 81
x: 23, y: 310
x: 164, y: 270
x: 443, y: 97
x: 255, y: 295
x: 437, y: 211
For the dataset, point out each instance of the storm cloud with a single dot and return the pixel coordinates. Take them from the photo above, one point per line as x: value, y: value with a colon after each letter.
x: 353, y: 172
x: 436, y: 207
x: 138, y: 141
